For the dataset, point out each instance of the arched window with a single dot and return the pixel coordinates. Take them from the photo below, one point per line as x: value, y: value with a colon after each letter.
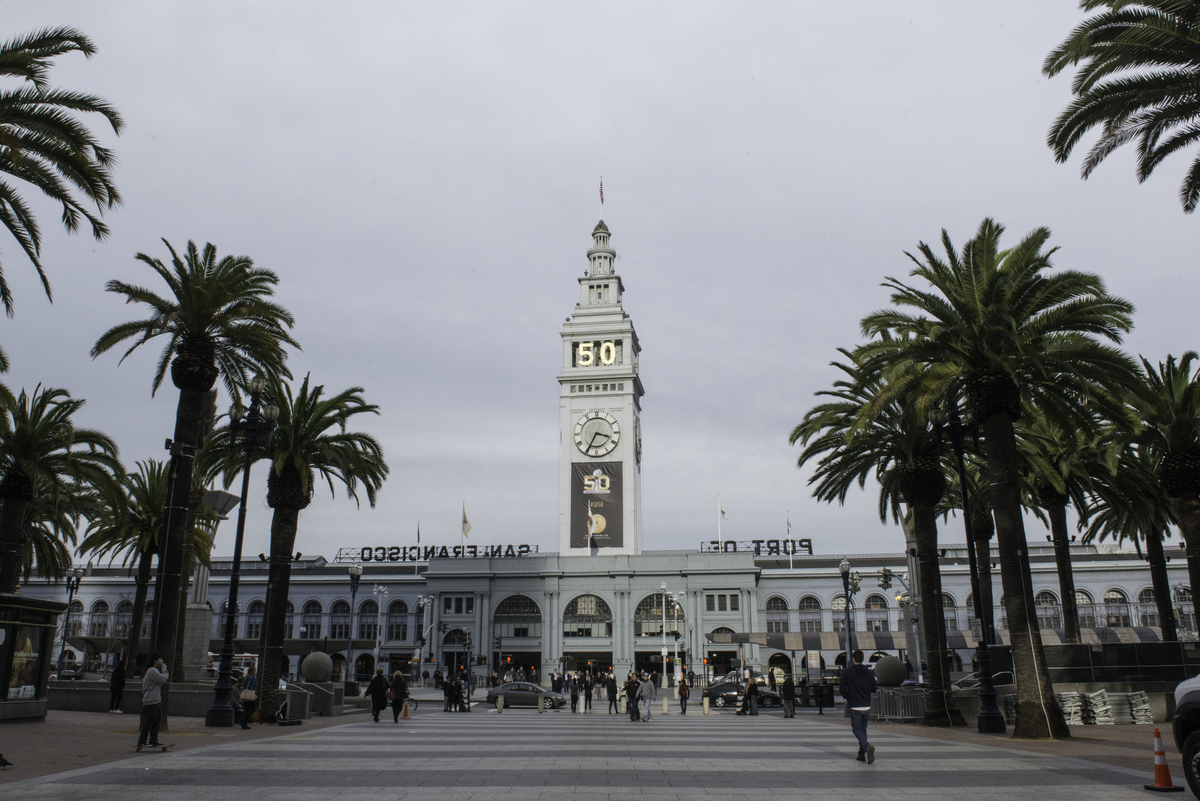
x: 75, y: 628
x: 310, y: 621
x: 398, y: 621
x: 838, y: 607
x: 587, y: 616
x: 810, y: 614
x: 1147, y: 608
x: 648, y: 616
x: 1116, y: 608
x: 289, y: 619
x: 1049, y: 613
x: 368, y: 620
x: 148, y: 619
x: 99, y: 620
x: 877, y: 614
x: 254, y: 620
x: 1087, y: 610
x: 777, y: 615
x: 1184, y: 609
x: 339, y: 620
x: 517, y: 616
x: 123, y: 618
x: 950, y: 611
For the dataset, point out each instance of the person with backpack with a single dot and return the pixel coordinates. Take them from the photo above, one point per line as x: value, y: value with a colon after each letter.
x: 684, y: 693
x: 857, y: 684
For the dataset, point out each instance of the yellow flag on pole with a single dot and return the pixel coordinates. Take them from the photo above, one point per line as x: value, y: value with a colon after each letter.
x: 466, y: 525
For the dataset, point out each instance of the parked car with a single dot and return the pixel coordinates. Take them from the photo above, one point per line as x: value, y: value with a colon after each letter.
x: 1185, y: 725
x: 737, y: 675
x: 523, y: 693
x: 729, y: 693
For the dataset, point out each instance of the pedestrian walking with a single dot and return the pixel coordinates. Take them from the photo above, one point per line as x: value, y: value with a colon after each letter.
x: 631, y: 693
x: 398, y: 694
x: 116, y: 688
x: 752, y: 697
x: 684, y: 693
x: 152, y: 681
x: 646, y: 694
x: 614, y: 695
x: 448, y: 695
x: 788, y: 694
x: 587, y: 693
x: 378, y: 690
x: 857, y: 685
x: 249, y: 697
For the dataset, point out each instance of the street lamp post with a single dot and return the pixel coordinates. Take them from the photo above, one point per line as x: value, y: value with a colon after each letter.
x: 844, y: 567
x: 256, y: 422
x: 912, y: 615
x: 74, y: 576
x: 380, y: 592
x: 991, y: 721
x: 424, y: 602
x: 664, y: 630
x: 355, y: 577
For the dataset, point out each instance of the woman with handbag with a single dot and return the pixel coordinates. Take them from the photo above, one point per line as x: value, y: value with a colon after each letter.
x: 398, y: 695
x: 378, y: 690
x: 249, y: 697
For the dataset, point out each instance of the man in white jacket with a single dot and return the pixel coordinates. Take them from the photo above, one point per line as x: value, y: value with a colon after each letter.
x: 152, y: 682
x: 646, y: 693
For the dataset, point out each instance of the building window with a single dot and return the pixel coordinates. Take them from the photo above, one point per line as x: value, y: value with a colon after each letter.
x: 289, y: 631
x: 339, y: 620
x: 710, y: 603
x: 458, y: 605
x: 1184, y: 608
x: 720, y: 603
x: 398, y: 621
x: 839, y: 614
x: 254, y: 620
x: 368, y: 620
x: 310, y: 621
x: 148, y: 619
x: 1087, y: 611
x: 517, y: 613
x: 1049, y: 613
x: 1116, y: 609
x: 733, y: 603
x: 810, y: 614
x: 1147, y: 609
x: 587, y: 616
x: 99, y: 621
x: 648, y: 617
x: 76, y: 627
x: 123, y: 619
x: 877, y: 614
x: 950, y: 612
x: 777, y: 615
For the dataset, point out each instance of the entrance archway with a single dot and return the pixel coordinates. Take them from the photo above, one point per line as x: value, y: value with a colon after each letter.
x: 780, y: 665
x: 364, y: 667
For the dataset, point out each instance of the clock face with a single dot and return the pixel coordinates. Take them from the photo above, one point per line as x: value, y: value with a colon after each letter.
x: 597, y: 433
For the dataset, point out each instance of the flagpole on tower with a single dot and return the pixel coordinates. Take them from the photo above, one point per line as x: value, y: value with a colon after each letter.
x: 720, y: 512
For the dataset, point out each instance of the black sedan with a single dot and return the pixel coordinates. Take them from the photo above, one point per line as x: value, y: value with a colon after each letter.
x: 522, y: 693
x: 729, y: 693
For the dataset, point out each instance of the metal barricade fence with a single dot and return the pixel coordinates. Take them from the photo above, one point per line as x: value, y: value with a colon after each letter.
x: 898, y: 705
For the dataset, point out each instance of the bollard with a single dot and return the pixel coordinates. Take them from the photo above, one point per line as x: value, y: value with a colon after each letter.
x: 624, y: 705
x: 500, y: 703
x: 665, y: 705
x: 541, y: 703
x: 705, y: 704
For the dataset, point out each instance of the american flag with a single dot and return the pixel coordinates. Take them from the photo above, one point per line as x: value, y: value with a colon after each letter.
x: 601, y: 191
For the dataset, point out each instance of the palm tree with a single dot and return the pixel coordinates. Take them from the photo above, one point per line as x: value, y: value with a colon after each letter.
x: 43, y: 145
x: 1168, y: 404
x: 1129, y: 503
x: 51, y: 527
x: 219, y: 320
x: 310, y: 442
x: 997, y: 328
x: 897, y: 447
x: 128, y: 524
x: 983, y: 528
x: 44, y: 455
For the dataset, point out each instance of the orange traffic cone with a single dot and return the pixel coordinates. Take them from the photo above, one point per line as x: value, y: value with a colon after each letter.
x: 404, y: 715
x: 1162, y: 772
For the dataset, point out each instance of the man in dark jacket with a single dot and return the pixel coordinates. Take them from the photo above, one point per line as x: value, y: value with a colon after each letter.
x: 858, y: 682
x: 788, y: 694
x: 378, y: 690
x: 613, y: 695
x: 116, y: 687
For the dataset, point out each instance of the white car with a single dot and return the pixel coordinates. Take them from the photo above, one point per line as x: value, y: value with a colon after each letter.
x: 1186, y: 728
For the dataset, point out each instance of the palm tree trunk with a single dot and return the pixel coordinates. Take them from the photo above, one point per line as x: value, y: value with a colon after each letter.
x: 1038, y: 713
x: 177, y: 672
x: 139, y: 607
x: 187, y: 421
x: 1162, y: 587
x: 1188, y: 510
x: 1057, y: 511
x: 939, y: 705
x: 284, y: 523
x: 11, y: 544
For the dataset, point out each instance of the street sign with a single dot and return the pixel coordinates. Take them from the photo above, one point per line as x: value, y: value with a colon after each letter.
x: 977, y: 629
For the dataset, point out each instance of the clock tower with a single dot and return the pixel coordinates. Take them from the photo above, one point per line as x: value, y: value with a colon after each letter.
x: 600, y: 397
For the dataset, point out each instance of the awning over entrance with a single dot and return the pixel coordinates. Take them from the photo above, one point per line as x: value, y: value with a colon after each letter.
x: 896, y: 640
x: 293, y: 647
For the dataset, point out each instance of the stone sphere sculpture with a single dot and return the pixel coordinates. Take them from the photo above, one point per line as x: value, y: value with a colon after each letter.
x: 318, y: 667
x: 889, y: 671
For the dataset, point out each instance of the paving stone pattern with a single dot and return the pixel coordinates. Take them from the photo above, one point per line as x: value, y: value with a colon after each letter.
x: 522, y: 755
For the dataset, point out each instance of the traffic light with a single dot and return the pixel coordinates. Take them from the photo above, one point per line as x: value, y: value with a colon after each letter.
x: 442, y: 627
x: 497, y: 643
x: 885, y: 579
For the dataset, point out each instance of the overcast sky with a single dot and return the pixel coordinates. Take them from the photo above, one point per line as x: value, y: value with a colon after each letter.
x: 423, y: 178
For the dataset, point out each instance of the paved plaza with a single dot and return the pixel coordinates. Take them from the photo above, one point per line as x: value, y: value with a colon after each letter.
x: 522, y: 755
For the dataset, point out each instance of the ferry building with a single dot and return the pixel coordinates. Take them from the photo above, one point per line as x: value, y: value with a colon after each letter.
x: 602, y: 601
